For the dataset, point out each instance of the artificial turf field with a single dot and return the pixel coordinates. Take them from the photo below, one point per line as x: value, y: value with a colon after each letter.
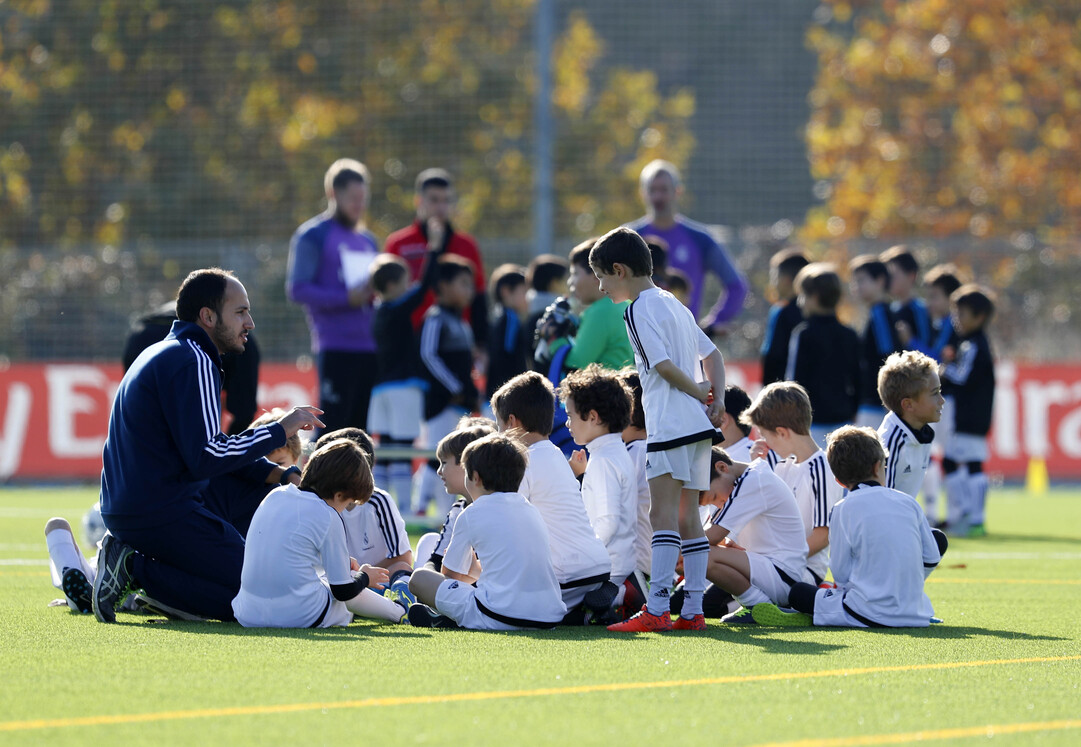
x: 1006, y: 663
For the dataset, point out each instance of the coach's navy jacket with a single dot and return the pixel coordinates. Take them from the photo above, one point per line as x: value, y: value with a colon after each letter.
x: 165, y: 441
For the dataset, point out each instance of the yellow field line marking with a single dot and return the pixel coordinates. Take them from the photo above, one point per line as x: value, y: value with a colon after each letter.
x: 257, y: 710
x: 1052, y: 581
x: 987, y: 731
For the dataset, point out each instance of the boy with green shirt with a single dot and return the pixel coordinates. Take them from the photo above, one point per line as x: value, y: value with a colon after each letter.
x: 602, y: 335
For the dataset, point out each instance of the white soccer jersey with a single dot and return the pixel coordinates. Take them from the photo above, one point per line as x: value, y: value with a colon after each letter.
x: 908, y: 453
x: 610, y: 494
x: 740, y: 451
x: 508, y: 535
x: 883, y: 550
x: 550, y: 485
x: 447, y: 530
x: 295, y: 547
x: 376, y: 530
x: 661, y: 328
x: 761, y: 514
x: 816, y: 492
x: 643, y: 539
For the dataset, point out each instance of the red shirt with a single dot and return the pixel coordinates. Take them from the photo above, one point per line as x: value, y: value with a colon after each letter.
x: 411, y: 243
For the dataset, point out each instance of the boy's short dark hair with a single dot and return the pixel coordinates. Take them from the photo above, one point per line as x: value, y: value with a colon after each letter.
x: 788, y: 262
x: 344, y: 172
x: 820, y: 281
x: 974, y: 297
x: 579, y: 255
x: 387, y: 269
x: 433, y: 178
x: 596, y: 388
x: 782, y: 404
x: 901, y: 256
x: 506, y: 278
x: 273, y: 416
x: 852, y: 453
x: 544, y: 270
x: 736, y: 402
x: 678, y: 281
x: 453, y: 444
x: 528, y: 397
x: 631, y: 380
x: 202, y: 289
x: 450, y: 266
x: 497, y: 461
x: 873, y: 266
x: 903, y: 376
x: 624, y: 246
x: 658, y: 254
x: 339, y: 466
x: 945, y: 277
x: 356, y: 435
x: 717, y: 454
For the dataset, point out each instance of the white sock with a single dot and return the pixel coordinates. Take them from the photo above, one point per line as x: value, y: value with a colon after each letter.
x: 63, y: 554
x: 425, y: 483
x: 370, y: 604
x: 977, y: 495
x: 932, y: 484
x: 751, y: 597
x: 695, y: 560
x: 400, y: 483
x: 957, y: 503
x: 665, y: 546
x: 425, y: 547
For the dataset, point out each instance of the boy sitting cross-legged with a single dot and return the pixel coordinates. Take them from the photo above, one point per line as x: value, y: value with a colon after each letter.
x: 517, y: 586
x: 524, y: 407
x: 296, y: 531
x: 883, y: 549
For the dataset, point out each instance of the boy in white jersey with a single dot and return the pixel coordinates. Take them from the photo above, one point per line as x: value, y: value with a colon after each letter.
x: 759, y: 545
x: 634, y: 438
x: 670, y: 353
x: 883, y: 549
x: 782, y: 414
x: 909, y: 387
x: 517, y: 587
x: 524, y: 408
x: 297, y: 571
x: 737, y: 434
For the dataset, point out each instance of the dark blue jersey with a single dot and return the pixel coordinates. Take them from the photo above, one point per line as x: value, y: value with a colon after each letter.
x: 783, y: 318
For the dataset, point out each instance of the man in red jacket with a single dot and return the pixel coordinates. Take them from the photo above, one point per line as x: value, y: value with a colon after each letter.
x: 435, y: 201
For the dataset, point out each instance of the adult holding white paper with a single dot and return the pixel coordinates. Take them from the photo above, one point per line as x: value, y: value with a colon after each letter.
x: 329, y: 275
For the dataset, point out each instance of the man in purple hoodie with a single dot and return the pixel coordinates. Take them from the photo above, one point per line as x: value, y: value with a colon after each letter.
x: 329, y: 260
x: 691, y: 248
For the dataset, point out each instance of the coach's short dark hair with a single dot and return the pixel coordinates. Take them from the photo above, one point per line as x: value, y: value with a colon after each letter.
x: 901, y: 256
x: 339, y: 466
x: 356, y: 435
x: 528, y: 397
x: 946, y: 278
x: 624, y: 246
x: 579, y: 255
x: 596, y: 388
x: 450, y: 266
x: 736, y: 402
x: 788, y: 262
x: 852, y: 454
x: 202, y: 289
x: 497, y: 461
x: 872, y: 266
x: 387, y: 269
x: 452, y: 445
x: 433, y: 178
x: 977, y: 299
x: 344, y: 172
x: 633, y: 382
x: 506, y: 278
x: 544, y: 270
x: 819, y: 280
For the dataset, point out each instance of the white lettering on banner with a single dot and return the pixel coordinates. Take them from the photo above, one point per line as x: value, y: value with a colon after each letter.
x: 1006, y: 412
x: 16, y: 423
x: 1038, y: 397
x: 66, y: 402
x: 1069, y: 434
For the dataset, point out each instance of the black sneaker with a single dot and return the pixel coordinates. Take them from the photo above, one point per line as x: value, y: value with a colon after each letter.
x: 79, y: 591
x: 114, y: 580
x: 423, y: 616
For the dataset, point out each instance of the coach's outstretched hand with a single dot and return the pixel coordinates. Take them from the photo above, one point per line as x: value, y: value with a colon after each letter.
x: 301, y: 419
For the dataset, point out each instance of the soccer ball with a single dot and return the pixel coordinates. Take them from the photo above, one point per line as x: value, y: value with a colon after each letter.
x: 93, y: 526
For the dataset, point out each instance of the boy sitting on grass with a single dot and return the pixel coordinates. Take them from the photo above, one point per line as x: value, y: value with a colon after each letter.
x: 517, y: 587
x: 883, y: 549
x: 296, y: 531
x: 910, y: 389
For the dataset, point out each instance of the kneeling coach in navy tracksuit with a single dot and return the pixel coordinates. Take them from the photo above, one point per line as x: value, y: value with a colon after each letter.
x: 171, y: 481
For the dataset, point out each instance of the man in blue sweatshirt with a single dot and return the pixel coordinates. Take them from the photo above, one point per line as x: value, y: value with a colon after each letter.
x: 170, y: 476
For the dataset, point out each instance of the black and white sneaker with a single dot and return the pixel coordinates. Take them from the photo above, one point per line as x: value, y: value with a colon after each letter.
x: 78, y: 590
x: 423, y: 616
x: 114, y: 579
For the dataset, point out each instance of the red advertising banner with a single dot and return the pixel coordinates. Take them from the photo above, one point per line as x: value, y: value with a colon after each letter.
x: 54, y: 416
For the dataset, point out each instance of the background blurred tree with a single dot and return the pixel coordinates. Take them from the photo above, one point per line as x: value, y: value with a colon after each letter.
x: 138, y: 120
x: 940, y: 118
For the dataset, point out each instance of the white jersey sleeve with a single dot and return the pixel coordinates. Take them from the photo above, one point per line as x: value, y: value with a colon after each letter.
x: 646, y: 337
x: 602, y: 489
x: 391, y: 527
x: 334, y: 554
x: 459, y: 555
x: 736, y: 513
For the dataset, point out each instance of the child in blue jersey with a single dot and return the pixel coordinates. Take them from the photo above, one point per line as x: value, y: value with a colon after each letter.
x: 870, y: 285
x: 912, y: 320
x: 784, y: 315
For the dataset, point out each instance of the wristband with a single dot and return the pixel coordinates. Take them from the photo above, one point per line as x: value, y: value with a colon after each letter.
x: 289, y: 472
